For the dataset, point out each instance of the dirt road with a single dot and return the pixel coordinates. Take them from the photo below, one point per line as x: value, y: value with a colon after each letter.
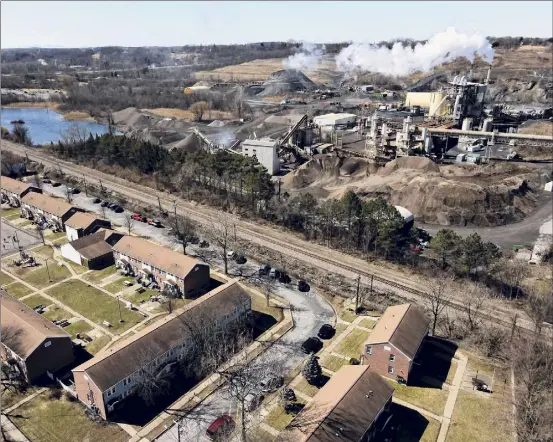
x: 393, y: 278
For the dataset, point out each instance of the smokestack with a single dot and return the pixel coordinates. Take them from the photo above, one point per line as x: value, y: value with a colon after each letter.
x: 489, y: 74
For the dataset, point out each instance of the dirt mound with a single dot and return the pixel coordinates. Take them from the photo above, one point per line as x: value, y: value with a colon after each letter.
x: 131, y: 117
x: 448, y: 195
x: 286, y: 81
x: 189, y: 144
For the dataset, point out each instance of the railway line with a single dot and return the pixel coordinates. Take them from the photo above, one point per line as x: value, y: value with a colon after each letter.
x: 310, y: 253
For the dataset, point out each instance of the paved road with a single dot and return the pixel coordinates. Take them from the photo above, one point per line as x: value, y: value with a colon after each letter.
x: 310, y: 311
x: 524, y: 232
x: 10, y: 236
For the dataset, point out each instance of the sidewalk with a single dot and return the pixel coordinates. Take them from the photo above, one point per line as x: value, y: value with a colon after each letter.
x: 11, y: 431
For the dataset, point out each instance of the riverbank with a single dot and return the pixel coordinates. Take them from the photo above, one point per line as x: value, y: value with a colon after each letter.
x: 55, y: 106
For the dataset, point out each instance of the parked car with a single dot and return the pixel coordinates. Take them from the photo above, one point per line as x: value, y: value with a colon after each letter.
x: 136, y: 216
x: 204, y: 244
x: 155, y: 223
x: 274, y: 273
x: 231, y: 254
x: 119, y: 209
x: 271, y: 383
x: 55, y: 184
x: 111, y: 205
x: 240, y: 259
x: 194, y: 240
x: 264, y: 269
x: 311, y: 345
x: 128, y: 283
x: 96, y: 201
x: 73, y: 190
x: 47, y: 181
x: 220, y: 428
x: 105, y: 204
x: 284, y: 278
x: 326, y: 331
x: 303, y: 286
x: 252, y: 401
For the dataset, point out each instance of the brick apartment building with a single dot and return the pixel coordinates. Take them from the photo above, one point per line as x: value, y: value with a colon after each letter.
x: 14, y: 190
x: 81, y: 224
x: 176, y: 274
x: 31, y: 344
x: 44, y: 209
x: 395, y: 341
x: 111, y: 376
x: 352, y: 406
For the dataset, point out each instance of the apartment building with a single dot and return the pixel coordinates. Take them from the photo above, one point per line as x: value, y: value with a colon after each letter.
x: 81, y: 224
x: 46, y: 210
x: 176, y: 274
x: 395, y: 341
x: 14, y: 190
x: 103, y: 382
x: 31, y: 344
x: 352, y: 406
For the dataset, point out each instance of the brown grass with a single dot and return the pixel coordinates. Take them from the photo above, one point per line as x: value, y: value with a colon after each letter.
x: 78, y: 116
x: 182, y: 114
x: 537, y: 128
x: 34, y: 104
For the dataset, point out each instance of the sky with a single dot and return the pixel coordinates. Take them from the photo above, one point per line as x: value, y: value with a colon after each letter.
x: 114, y: 23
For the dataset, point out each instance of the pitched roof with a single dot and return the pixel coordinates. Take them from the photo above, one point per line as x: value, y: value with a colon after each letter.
x: 28, y: 329
x: 158, y: 256
x: 404, y: 326
x: 114, y: 364
x: 91, y: 246
x: 15, y: 186
x: 55, y: 206
x: 343, y: 410
x: 80, y: 220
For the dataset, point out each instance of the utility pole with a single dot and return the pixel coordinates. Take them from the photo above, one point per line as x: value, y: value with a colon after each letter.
x: 357, y: 294
x: 161, y: 208
x: 48, y: 270
x: 119, y: 306
x: 371, y: 291
x: 85, y: 189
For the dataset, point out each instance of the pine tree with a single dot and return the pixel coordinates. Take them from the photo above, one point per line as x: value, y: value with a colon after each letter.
x: 312, y: 371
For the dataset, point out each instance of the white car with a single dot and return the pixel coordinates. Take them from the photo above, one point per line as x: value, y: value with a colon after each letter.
x: 231, y: 254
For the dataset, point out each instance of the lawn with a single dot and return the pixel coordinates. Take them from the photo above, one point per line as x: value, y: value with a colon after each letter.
x: 56, y: 313
x: 79, y: 270
x: 56, y: 235
x: 306, y: 388
x: 260, y: 435
x: 451, y: 372
x: 408, y: 425
x: 33, y: 301
x: 117, y: 285
x: 9, y: 212
x: 351, y: 344
x: 333, y: 363
x: 5, y: 279
x: 97, y: 276
x: 18, y: 290
x: 94, y: 305
x: 45, y: 420
x: 136, y: 297
x: 259, y: 304
x: 60, y: 241
x: 45, y: 251
x: 78, y: 327
x: 278, y: 418
x: 431, y: 399
x: 367, y: 323
x: 96, y: 345
x: 10, y: 397
x: 39, y: 278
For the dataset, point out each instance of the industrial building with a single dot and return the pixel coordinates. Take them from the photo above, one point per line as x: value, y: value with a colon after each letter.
x: 14, y: 190
x: 103, y: 382
x: 176, y: 274
x: 332, y: 121
x: 266, y: 152
x: 32, y: 346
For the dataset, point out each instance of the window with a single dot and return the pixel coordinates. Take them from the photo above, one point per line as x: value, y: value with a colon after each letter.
x: 390, y: 369
x: 368, y: 349
x: 126, y: 381
x: 48, y: 343
x: 392, y: 358
x: 111, y: 391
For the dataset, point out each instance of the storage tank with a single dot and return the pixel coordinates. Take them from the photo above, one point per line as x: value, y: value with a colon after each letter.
x: 487, y: 126
x: 467, y: 124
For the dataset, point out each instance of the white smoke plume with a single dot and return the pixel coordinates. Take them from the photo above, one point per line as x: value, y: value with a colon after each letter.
x: 307, y: 58
x: 403, y: 60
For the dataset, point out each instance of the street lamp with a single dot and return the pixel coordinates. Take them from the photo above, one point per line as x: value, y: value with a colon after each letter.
x: 48, y: 270
x: 119, y: 306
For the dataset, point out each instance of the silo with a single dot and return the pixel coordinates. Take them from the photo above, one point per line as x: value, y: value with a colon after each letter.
x: 467, y: 124
x: 487, y: 126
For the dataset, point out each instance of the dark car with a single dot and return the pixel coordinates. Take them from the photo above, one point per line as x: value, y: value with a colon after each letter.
x: 221, y: 428
x: 264, y: 270
x: 284, y: 278
x: 326, y: 331
x: 194, y: 240
x: 118, y: 209
x: 271, y: 383
x: 96, y: 201
x: 105, y: 204
x: 303, y: 286
x: 111, y: 205
x: 204, y: 244
x: 311, y: 345
x: 240, y: 259
x: 47, y: 181
x: 55, y: 184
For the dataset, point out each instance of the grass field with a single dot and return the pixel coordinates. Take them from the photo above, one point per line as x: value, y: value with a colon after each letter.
x: 278, y: 418
x: 10, y: 214
x: 94, y: 305
x: 136, y: 298
x: 18, y: 290
x: 78, y: 327
x: 56, y: 313
x: 45, y: 420
x: 45, y: 251
x: 98, y: 343
x: 306, y: 388
x: 431, y: 399
x: 351, y: 344
x: 333, y: 363
x: 39, y: 278
x: 36, y: 300
x: 5, y: 279
x: 117, y: 285
x: 367, y: 323
x: 97, y: 276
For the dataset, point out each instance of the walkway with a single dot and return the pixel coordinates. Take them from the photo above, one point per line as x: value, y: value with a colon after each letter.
x: 11, y: 431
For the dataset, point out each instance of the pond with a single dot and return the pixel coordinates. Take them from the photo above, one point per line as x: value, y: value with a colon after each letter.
x: 46, y: 125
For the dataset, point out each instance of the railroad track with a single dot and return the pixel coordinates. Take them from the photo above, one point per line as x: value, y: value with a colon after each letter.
x: 147, y: 195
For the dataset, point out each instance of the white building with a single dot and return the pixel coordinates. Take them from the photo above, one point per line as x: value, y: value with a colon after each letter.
x: 266, y: 152
x: 333, y: 120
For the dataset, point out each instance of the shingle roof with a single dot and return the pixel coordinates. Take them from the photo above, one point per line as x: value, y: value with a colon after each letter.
x: 80, y: 220
x: 404, y: 326
x: 161, y: 257
x: 14, y: 186
x: 343, y: 409
x: 91, y: 246
x: 55, y: 206
x: 114, y: 364
x: 30, y: 327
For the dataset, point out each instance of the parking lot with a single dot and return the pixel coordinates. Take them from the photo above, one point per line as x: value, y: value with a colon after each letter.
x: 13, y: 237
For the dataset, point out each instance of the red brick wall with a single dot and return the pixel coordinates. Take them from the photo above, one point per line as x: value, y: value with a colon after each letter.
x: 379, y: 361
x: 83, y: 387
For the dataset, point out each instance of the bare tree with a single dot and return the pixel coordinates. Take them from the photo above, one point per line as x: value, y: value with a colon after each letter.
x: 475, y: 298
x: 74, y: 134
x: 221, y: 234
x: 199, y: 109
x: 512, y: 273
x: 153, y: 379
x: 128, y: 223
x: 265, y: 285
x: 540, y: 308
x: 40, y: 233
x: 11, y: 374
x: 184, y: 229
x: 37, y: 182
x: 438, y: 297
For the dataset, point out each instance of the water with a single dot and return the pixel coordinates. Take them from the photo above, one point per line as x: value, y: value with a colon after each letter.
x: 46, y: 125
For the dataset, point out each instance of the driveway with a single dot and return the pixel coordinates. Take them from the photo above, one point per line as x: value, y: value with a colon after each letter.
x: 309, y: 312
